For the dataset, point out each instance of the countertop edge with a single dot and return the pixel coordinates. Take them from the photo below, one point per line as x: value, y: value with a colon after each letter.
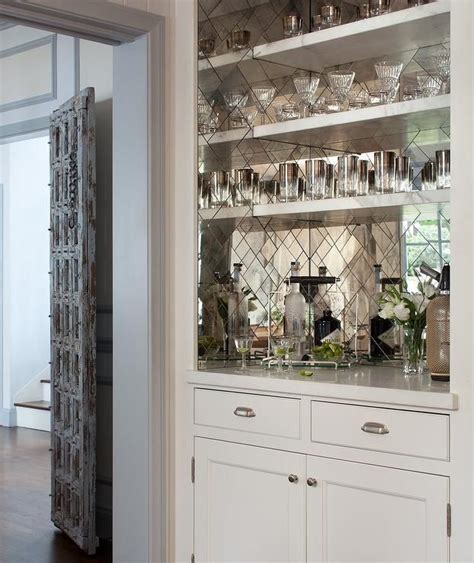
x: 324, y: 390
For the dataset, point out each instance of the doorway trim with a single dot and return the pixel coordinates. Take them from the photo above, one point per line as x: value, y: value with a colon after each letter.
x: 141, y: 480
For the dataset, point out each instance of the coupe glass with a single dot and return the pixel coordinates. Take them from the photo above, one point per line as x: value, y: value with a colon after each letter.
x: 280, y: 347
x: 306, y: 86
x: 264, y: 97
x: 243, y: 345
x: 442, y: 62
x: 429, y: 85
x: 340, y: 83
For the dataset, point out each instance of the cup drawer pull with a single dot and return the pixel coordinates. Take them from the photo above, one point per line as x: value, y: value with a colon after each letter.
x: 246, y: 412
x: 375, y: 428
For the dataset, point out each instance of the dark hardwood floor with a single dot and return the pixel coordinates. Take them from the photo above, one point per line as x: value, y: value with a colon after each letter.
x: 26, y: 532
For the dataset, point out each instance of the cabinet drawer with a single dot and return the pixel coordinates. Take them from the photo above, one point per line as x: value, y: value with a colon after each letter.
x: 415, y: 434
x: 259, y: 414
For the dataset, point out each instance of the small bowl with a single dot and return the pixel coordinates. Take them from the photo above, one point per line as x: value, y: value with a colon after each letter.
x: 206, y: 48
x: 238, y: 40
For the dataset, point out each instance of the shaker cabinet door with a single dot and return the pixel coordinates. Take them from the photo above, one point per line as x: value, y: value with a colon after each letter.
x: 250, y: 504
x: 364, y: 513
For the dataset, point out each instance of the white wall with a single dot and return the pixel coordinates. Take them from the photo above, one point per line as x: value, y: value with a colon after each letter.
x: 25, y: 171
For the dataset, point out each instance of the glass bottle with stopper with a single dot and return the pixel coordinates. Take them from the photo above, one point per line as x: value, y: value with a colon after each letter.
x: 295, y: 312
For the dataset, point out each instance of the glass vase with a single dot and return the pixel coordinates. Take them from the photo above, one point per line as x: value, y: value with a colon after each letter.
x: 413, y: 351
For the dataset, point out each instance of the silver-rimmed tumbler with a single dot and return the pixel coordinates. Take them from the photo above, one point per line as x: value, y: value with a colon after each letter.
x: 315, y: 170
x: 443, y: 169
x: 402, y: 174
x: 371, y: 176
x: 428, y: 176
x: 348, y: 175
x: 289, y: 173
x: 243, y: 184
x: 330, y: 181
x: 384, y: 166
x: 330, y: 15
x: 363, y: 177
x: 220, y: 189
x: 292, y: 25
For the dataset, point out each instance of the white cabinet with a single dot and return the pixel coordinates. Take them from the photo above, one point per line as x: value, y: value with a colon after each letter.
x: 246, y: 508
x: 254, y: 504
x: 364, y: 513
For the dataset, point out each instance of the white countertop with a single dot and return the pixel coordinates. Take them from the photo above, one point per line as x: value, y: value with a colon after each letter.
x: 374, y: 384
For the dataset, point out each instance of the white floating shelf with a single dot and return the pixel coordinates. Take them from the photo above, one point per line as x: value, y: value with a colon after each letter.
x: 392, y: 33
x: 360, y: 209
x: 398, y: 119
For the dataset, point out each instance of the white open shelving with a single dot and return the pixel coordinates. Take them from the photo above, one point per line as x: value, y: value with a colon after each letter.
x: 339, y: 211
x: 402, y: 30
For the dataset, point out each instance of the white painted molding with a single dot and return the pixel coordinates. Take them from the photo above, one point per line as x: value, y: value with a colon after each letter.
x: 8, y: 417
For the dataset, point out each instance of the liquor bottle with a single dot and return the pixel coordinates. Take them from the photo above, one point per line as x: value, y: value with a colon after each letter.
x: 438, y: 329
x: 295, y: 311
x: 326, y: 327
x: 238, y: 308
x: 383, y: 338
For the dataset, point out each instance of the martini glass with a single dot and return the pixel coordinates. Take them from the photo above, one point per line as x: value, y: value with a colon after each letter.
x: 244, y: 346
x: 306, y: 86
x: 264, y: 97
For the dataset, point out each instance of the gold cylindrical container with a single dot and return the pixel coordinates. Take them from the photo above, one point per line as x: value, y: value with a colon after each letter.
x: 437, y: 332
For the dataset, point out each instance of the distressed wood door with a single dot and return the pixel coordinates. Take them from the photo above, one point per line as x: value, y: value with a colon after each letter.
x: 73, y: 319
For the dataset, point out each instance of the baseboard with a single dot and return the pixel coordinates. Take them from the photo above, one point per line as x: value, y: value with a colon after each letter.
x: 8, y: 417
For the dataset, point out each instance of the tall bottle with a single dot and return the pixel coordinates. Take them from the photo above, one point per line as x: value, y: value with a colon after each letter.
x: 382, y: 331
x: 295, y: 311
x: 238, y: 308
x: 437, y: 330
x: 326, y: 327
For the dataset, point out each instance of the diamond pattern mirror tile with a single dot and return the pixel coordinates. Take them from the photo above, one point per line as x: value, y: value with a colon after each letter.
x: 266, y: 108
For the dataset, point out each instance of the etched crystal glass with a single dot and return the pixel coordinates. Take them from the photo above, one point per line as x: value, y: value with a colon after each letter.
x: 442, y: 62
x: 306, y: 86
x: 429, y: 85
x: 264, y: 97
x: 340, y: 83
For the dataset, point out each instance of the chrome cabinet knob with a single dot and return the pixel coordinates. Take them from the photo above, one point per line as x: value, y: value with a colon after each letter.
x: 311, y: 482
x: 293, y: 478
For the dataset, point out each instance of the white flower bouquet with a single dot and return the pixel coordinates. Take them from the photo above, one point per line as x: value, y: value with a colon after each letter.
x: 408, y: 310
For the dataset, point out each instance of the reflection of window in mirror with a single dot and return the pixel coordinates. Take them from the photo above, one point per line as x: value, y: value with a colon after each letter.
x: 426, y: 241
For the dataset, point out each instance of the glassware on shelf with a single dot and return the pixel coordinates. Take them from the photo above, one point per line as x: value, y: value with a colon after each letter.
x: 235, y: 99
x: 384, y: 166
x: 316, y: 181
x: 402, y: 174
x: 287, y: 112
x: 221, y: 195
x: 292, y: 25
x: 358, y: 100
x: 371, y: 176
x: 429, y: 85
x: 442, y: 62
x: 204, y: 196
x: 333, y: 105
x: 206, y: 48
x: 383, y: 92
x: 428, y: 176
x: 379, y: 7
x: 238, y: 40
x: 443, y: 169
x: 316, y: 22
x: 330, y: 181
x: 411, y: 93
x: 388, y: 72
x: 263, y: 96
x: 306, y: 85
x: 348, y: 175
x: 363, y: 188
x: 319, y: 107
x: 243, y: 345
x: 269, y: 191
x: 340, y: 83
x: 207, y: 117
x: 363, y: 11
x: 289, y: 173
x: 280, y: 347
x: 330, y: 15
x: 244, y: 117
x: 243, y: 183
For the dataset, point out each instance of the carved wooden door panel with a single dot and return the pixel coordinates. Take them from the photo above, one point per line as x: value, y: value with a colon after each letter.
x: 73, y: 319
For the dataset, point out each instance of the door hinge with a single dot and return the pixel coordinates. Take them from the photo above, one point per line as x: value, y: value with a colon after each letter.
x: 448, y: 519
x: 193, y: 471
x: 192, y: 558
